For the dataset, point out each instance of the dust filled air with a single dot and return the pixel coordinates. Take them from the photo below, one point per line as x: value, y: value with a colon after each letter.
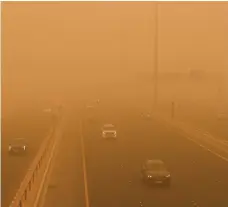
x: 114, y: 104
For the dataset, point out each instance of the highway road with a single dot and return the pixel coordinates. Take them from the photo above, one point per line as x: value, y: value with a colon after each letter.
x: 204, y: 118
x: 32, y: 125
x: 112, y: 173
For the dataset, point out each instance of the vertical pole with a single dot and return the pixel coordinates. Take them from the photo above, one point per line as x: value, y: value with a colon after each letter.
x: 156, y: 56
x: 1, y: 81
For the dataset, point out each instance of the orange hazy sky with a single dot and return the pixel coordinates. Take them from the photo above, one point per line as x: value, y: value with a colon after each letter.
x: 49, y: 44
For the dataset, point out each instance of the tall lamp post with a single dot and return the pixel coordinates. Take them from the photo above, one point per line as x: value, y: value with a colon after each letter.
x: 155, y: 78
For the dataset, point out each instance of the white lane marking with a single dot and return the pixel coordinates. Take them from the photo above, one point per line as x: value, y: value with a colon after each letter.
x: 211, y: 137
x: 218, y: 155
x: 214, y: 153
x: 84, y: 167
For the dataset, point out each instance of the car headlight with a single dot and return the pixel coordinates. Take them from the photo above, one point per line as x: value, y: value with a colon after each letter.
x: 167, y: 176
x: 10, y: 148
x: 149, y: 176
x: 24, y: 147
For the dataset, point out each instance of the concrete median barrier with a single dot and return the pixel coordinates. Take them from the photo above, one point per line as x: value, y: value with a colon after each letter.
x: 26, y: 196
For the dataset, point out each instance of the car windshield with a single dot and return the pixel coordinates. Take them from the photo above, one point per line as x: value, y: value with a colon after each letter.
x: 108, y: 127
x: 18, y: 141
x: 155, y: 166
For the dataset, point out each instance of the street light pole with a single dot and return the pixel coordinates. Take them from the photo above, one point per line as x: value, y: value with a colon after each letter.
x: 155, y: 78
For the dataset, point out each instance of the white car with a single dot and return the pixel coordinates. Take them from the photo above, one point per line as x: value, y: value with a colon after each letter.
x: 17, y: 146
x: 109, y: 131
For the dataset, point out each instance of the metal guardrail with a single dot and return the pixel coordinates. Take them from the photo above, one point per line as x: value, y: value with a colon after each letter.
x: 31, y: 180
x: 210, y: 137
x: 214, y: 144
x: 205, y: 137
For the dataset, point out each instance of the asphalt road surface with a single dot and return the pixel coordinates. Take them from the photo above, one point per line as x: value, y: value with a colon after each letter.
x: 204, y: 118
x: 33, y: 125
x: 112, y: 173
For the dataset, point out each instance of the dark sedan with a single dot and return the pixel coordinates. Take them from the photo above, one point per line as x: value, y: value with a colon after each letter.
x: 155, y: 172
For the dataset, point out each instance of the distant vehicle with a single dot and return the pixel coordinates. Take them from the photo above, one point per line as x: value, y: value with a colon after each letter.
x: 146, y: 116
x: 17, y: 146
x: 109, y: 131
x: 155, y: 172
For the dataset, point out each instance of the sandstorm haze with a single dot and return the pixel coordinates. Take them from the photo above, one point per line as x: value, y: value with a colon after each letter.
x: 52, y: 51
